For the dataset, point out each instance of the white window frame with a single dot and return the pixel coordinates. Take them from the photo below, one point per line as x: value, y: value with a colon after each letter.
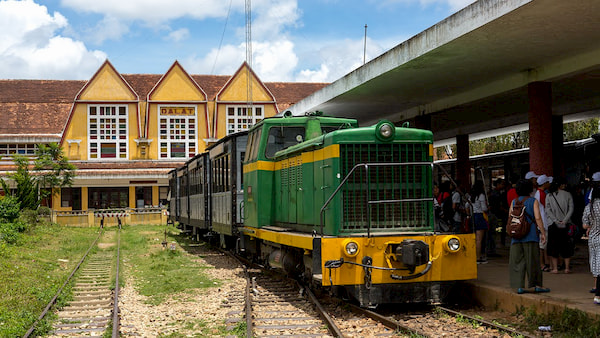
x: 166, y: 138
x: 24, y: 149
x: 99, y: 141
x: 237, y: 122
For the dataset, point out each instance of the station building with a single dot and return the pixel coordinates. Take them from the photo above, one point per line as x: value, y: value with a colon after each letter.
x: 125, y: 132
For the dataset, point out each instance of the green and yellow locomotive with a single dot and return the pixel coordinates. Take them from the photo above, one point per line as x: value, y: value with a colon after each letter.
x: 348, y: 208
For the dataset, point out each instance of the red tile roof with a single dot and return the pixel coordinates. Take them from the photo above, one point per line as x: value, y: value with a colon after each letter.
x: 30, y: 107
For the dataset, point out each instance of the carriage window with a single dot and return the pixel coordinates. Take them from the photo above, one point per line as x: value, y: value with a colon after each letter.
x: 282, y: 137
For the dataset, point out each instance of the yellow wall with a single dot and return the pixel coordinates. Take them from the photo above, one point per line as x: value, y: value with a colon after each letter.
x: 107, y: 85
x: 236, y: 93
x: 132, y: 197
x: 175, y: 89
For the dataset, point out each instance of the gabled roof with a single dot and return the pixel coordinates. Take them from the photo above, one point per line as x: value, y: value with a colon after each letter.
x: 107, y: 67
x: 251, y: 75
x: 42, y: 107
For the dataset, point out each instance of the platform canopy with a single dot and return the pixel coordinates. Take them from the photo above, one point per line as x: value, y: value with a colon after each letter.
x: 470, y: 71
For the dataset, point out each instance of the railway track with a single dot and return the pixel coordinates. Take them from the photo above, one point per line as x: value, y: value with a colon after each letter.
x: 276, y: 307
x: 94, y: 307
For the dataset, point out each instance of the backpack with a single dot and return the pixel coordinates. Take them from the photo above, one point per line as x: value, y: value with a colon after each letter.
x: 518, y: 224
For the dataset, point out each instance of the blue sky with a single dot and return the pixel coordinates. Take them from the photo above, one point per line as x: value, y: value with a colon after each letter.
x: 292, y: 40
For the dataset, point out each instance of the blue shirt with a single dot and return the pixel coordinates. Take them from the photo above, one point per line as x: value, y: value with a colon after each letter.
x: 532, y: 236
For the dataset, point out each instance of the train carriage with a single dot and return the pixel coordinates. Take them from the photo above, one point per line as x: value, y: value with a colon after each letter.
x: 173, y: 197
x: 184, y: 196
x: 199, y: 194
x: 225, y: 158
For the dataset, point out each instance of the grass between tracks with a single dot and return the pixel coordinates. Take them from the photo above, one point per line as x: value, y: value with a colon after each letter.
x: 32, y: 270
x: 159, y: 272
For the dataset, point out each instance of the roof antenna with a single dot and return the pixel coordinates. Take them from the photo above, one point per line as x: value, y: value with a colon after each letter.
x: 365, y: 49
x: 249, y: 51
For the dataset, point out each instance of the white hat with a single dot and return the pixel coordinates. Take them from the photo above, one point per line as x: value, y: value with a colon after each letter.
x: 596, y: 176
x: 542, y: 179
x: 531, y: 175
x: 550, y: 179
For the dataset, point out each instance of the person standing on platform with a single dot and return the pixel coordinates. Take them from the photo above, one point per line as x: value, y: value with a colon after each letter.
x: 479, y: 203
x: 498, y: 211
x: 591, y: 222
x: 559, y: 209
x: 511, y: 194
x: 587, y: 227
x: 524, y: 258
x: 540, y: 196
x: 595, y: 183
x: 457, y: 206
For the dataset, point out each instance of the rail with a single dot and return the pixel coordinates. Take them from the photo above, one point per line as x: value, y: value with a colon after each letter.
x: 115, y: 322
x: 368, y: 200
x: 53, y: 300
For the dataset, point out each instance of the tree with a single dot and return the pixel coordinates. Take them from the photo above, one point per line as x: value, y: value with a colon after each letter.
x: 518, y: 140
x: 580, y: 129
x: 27, y: 186
x: 51, y: 169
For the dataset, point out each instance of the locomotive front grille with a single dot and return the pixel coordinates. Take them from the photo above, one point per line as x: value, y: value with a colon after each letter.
x: 404, y: 185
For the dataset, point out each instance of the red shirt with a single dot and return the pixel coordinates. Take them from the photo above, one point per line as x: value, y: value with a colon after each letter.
x: 442, y: 196
x: 511, y: 195
x: 542, y: 197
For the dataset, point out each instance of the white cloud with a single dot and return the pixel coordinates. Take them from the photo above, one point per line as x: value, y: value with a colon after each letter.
x: 155, y: 10
x: 320, y: 75
x: 31, y: 48
x: 274, y: 61
x: 179, y: 35
x: 109, y: 28
x: 217, y: 62
x: 339, y: 58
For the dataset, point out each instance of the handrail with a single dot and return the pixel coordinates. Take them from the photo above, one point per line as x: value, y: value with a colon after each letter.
x: 366, y: 166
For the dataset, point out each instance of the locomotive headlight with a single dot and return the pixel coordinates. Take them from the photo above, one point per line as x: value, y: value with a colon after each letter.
x: 452, y: 244
x: 350, y: 248
x: 385, y: 130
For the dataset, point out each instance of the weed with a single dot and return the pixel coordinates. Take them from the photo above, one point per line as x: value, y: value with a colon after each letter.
x: 568, y: 322
x: 240, y: 329
x: 31, y: 273
x: 159, y: 273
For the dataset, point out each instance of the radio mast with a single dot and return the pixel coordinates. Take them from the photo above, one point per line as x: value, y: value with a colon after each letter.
x: 249, y: 52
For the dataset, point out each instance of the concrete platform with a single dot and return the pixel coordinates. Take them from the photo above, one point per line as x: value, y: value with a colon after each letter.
x: 492, y: 287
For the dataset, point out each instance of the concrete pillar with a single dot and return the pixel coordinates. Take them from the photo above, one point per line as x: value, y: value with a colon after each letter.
x: 463, y: 165
x: 540, y: 128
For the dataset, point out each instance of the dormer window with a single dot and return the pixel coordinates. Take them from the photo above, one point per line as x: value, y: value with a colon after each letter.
x: 107, y: 132
x: 240, y: 118
x: 177, y: 127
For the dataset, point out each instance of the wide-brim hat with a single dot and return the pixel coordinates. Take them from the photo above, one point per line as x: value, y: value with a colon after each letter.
x: 531, y: 175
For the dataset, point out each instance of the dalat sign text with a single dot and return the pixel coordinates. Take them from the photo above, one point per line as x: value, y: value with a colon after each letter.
x: 177, y: 111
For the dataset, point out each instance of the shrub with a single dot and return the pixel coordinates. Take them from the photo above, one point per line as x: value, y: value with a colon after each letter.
x: 44, y: 211
x: 29, y: 216
x: 9, y: 209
